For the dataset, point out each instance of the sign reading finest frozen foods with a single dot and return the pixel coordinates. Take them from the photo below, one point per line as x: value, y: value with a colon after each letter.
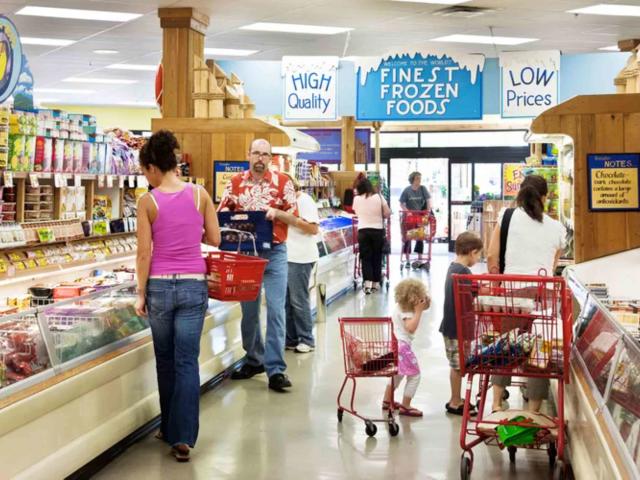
x: 222, y: 173
x: 421, y: 86
x: 529, y: 82
x: 310, y: 88
x: 613, y: 182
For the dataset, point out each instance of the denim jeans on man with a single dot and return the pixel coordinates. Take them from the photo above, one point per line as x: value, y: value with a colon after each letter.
x: 299, y: 322
x: 176, y: 311
x: 271, y: 353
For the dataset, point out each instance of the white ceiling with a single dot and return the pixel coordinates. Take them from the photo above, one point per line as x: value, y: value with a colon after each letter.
x: 379, y: 25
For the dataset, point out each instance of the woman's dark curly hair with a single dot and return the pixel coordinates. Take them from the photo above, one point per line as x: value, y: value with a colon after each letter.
x: 160, y: 151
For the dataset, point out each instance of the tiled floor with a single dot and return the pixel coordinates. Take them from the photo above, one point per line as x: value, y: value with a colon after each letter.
x: 248, y: 432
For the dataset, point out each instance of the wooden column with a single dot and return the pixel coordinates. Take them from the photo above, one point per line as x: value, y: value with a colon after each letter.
x: 348, y: 144
x: 183, y: 31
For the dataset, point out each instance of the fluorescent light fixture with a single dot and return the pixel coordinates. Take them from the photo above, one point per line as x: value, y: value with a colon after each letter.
x: 138, y: 104
x: 105, y: 52
x: 47, y: 100
x: 612, y: 48
x: 62, y: 90
x: 229, y: 52
x: 113, y: 81
x: 50, y: 42
x: 484, y: 39
x: 76, y: 14
x: 611, y: 9
x: 436, y: 2
x: 130, y: 66
x: 295, y: 28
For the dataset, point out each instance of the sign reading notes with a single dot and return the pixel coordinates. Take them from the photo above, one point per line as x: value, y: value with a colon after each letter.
x: 613, y: 181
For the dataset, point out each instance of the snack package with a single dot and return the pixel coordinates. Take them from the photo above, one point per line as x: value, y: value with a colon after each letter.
x: 68, y: 157
x: 57, y: 159
x: 48, y: 155
x: 540, y: 355
x: 29, y: 154
x: 39, y: 156
x: 91, y: 159
x: 16, y: 151
x: 77, y: 157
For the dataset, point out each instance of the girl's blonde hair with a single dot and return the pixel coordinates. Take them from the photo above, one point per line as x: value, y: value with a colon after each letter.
x: 409, y: 292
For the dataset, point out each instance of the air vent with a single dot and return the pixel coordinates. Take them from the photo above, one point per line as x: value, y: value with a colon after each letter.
x: 460, y: 11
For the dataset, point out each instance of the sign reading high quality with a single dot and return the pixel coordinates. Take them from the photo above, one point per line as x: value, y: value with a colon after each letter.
x: 530, y: 82
x: 310, y: 88
x: 420, y: 86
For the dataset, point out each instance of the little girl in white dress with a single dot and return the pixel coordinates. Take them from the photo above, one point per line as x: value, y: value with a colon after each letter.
x: 412, y: 299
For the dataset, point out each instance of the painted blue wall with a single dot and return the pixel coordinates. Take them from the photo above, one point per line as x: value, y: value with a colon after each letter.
x: 582, y: 74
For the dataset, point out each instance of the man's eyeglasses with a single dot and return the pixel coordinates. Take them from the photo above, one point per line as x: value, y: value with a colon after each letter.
x: 261, y: 154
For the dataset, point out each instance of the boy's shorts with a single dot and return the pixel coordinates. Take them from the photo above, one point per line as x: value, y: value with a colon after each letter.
x: 453, y: 354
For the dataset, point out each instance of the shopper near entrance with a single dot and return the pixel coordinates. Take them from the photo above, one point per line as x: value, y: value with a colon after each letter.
x: 534, y: 243
x: 302, y: 254
x: 415, y: 197
x: 260, y: 189
x: 412, y: 300
x: 172, y: 286
x: 371, y: 209
x: 468, y: 253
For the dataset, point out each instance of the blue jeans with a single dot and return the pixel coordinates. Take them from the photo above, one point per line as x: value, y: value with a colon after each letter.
x: 176, y: 311
x: 271, y: 354
x: 299, y: 322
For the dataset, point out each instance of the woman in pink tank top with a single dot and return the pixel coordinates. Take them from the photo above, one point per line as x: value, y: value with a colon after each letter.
x: 173, y: 220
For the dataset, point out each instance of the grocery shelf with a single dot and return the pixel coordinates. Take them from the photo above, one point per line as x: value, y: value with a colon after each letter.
x: 65, y: 241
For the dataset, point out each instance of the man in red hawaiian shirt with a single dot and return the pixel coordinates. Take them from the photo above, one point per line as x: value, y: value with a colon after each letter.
x: 260, y: 189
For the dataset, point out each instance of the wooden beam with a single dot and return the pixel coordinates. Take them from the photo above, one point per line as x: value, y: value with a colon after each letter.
x: 213, y: 125
x: 348, y: 144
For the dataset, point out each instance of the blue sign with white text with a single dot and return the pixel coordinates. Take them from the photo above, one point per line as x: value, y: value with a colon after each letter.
x: 418, y: 88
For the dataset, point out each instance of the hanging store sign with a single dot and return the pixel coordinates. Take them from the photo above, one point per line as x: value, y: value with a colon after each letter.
x: 420, y: 86
x: 11, y: 58
x: 310, y: 88
x: 613, y: 182
x: 222, y: 173
x: 330, y: 141
x: 529, y: 82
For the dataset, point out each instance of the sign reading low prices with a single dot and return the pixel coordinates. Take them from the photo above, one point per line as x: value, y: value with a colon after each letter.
x: 529, y: 82
x: 420, y: 87
x: 310, y: 88
x: 613, y: 182
x: 222, y: 173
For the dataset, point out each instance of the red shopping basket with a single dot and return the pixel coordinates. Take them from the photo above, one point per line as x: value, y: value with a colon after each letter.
x: 235, y: 277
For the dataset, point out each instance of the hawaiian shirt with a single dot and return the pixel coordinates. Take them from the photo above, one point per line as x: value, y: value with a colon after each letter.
x: 275, y: 190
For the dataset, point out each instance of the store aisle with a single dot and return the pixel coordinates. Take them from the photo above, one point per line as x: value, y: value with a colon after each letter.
x: 248, y: 432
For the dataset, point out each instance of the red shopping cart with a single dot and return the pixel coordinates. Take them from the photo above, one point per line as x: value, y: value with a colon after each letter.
x: 418, y: 226
x: 370, y: 349
x: 357, y: 266
x: 512, y: 325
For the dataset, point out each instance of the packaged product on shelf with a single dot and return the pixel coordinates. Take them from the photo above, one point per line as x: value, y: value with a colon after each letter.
x: 77, y: 157
x: 29, y: 154
x: 16, y: 151
x: 69, y: 148
x: 4, y: 137
x: 58, y: 155
x: 101, y: 207
x: 88, y: 156
x: 4, y: 158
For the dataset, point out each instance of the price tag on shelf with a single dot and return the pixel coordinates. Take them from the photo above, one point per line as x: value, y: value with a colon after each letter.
x: 142, y: 181
x: 100, y: 181
x: 110, y: 181
x: 11, y: 271
x: 8, y: 179
x: 33, y: 180
x: 59, y: 180
x: 77, y: 180
x: 132, y: 181
x: 121, y: 181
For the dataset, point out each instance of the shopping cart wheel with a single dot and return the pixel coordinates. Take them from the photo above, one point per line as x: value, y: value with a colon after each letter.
x: 512, y: 454
x: 553, y: 454
x: 394, y: 429
x: 465, y: 467
x: 371, y: 429
x: 340, y: 413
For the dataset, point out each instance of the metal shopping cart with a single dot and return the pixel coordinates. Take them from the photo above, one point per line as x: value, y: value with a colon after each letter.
x: 418, y: 226
x: 357, y: 266
x: 370, y: 349
x: 512, y: 325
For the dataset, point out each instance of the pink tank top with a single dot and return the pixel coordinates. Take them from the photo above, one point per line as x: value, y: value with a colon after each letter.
x: 177, y: 234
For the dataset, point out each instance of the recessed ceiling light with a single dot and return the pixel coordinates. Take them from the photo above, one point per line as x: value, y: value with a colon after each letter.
x: 114, y: 81
x: 609, y: 9
x: 130, y: 66
x: 295, y: 28
x: 484, y: 39
x: 105, y: 52
x: 612, y: 48
x: 229, y: 52
x: 76, y: 14
x: 51, y: 42
x: 437, y: 2
x: 61, y: 90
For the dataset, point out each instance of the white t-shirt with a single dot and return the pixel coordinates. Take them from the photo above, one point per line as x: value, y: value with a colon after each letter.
x: 532, y: 245
x: 369, y: 211
x: 303, y: 247
x: 398, y: 317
